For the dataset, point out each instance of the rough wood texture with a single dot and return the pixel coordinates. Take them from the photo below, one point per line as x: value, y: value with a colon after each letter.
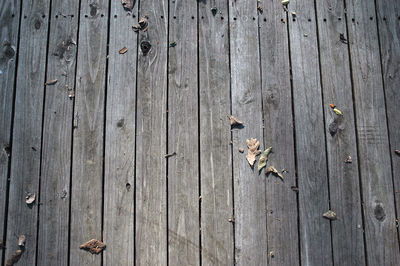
x: 375, y: 169
x: 87, y: 164
x: 119, y: 168
x: 26, y: 146
x: 183, y: 168
x: 341, y: 142
x: 249, y: 185
x: 315, y: 233
x: 215, y: 150
x: 57, y: 131
x: 151, y: 181
x: 389, y: 34
x: 9, y: 24
x: 282, y: 214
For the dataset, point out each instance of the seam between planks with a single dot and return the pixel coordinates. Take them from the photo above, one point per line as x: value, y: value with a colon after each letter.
x: 166, y: 133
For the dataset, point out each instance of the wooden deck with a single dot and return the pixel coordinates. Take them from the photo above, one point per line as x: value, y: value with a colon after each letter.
x: 135, y: 149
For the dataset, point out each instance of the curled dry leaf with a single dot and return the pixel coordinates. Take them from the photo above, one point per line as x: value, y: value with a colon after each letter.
x: 14, y: 258
x: 51, y: 82
x: 234, y: 121
x: 273, y: 170
x: 128, y: 4
x: 30, y: 198
x: 123, y: 50
x: 330, y: 215
x: 262, y: 162
x: 253, y: 150
x: 348, y: 159
x: 241, y: 150
x: 94, y: 246
x: 21, y: 241
x: 141, y: 25
x: 337, y: 111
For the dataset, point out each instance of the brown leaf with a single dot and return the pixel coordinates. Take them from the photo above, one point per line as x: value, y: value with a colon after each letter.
x: 128, y: 4
x: 330, y: 215
x: 234, y: 121
x: 14, y: 258
x: 94, y: 246
x: 123, y: 50
x: 348, y: 159
x: 51, y: 82
x: 253, y: 150
x: 30, y: 198
x: 141, y: 25
x: 273, y: 170
x: 21, y: 241
x: 71, y: 94
x: 241, y: 150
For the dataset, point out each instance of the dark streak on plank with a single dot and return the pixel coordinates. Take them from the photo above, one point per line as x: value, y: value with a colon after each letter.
x: 26, y: 147
x: 215, y: 150
x: 373, y: 146
x: 119, y: 168
x: 151, y: 143
x: 249, y: 185
x: 87, y: 165
x: 315, y: 231
x: 281, y: 201
x: 183, y: 169
x: 57, y: 131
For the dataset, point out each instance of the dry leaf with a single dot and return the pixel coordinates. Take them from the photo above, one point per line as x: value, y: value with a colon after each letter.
x: 123, y: 50
x: 264, y: 158
x: 234, y: 121
x: 272, y: 254
x: 337, y: 111
x: 241, y: 150
x: 94, y: 246
x: 141, y: 25
x: 397, y: 152
x: 253, y: 150
x: 21, y: 241
x: 285, y: 2
x: 128, y: 4
x: 51, y: 82
x: 330, y: 215
x: 71, y: 94
x: 332, y: 105
x: 273, y: 170
x: 30, y: 198
x: 14, y: 258
x: 260, y: 8
x: 348, y: 159
x: 293, y: 14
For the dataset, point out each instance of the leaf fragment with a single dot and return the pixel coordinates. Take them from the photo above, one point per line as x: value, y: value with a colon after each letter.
x: 141, y: 25
x: 94, y: 246
x: 234, y: 121
x: 21, y: 241
x: 273, y: 170
x: 397, y: 152
x: 214, y: 11
x: 332, y: 105
x: 123, y: 50
x: 241, y: 150
x: 285, y: 2
x: 348, y: 159
x: 51, y: 82
x: 128, y: 4
x: 262, y: 162
x: 14, y: 258
x: 337, y: 111
x: 330, y: 215
x: 172, y: 44
x: 30, y: 198
x: 253, y: 150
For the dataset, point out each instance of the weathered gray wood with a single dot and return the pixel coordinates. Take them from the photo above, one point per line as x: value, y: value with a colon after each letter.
x: 215, y: 149
x: 183, y: 168
x: 87, y: 164
x: 344, y: 177
x: 249, y: 185
x: 57, y: 131
x: 119, y: 182
x: 9, y: 24
x: 151, y: 182
x: 315, y: 232
x: 281, y: 200
x: 378, y: 200
x: 389, y: 34
x: 26, y: 146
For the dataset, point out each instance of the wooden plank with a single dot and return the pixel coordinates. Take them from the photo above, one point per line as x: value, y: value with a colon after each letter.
x: 249, y: 186
x: 340, y: 134
x: 183, y: 168
x: 26, y: 146
x: 57, y: 131
x: 119, y: 168
x: 281, y: 200
x: 382, y: 243
x: 151, y: 168
x: 87, y: 164
x: 389, y: 35
x: 9, y: 24
x: 215, y: 149
x: 315, y: 232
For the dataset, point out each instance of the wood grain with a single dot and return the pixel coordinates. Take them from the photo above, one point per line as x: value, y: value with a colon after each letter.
x: 215, y: 150
x: 26, y: 146
x: 315, y: 231
x: 382, y: 243
x: 151, y: 164
x: 119, y: 168
x: 183, y: 138
x: 87, y: 162
x: 249, y: 185
x: 281, y: 200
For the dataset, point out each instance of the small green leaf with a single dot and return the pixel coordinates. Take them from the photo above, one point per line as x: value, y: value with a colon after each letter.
x: 264, y: 158
x: 337, y: 111
x: 172, y: 44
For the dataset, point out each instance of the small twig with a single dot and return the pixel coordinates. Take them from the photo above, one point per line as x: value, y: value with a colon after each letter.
x: 169, y: 154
